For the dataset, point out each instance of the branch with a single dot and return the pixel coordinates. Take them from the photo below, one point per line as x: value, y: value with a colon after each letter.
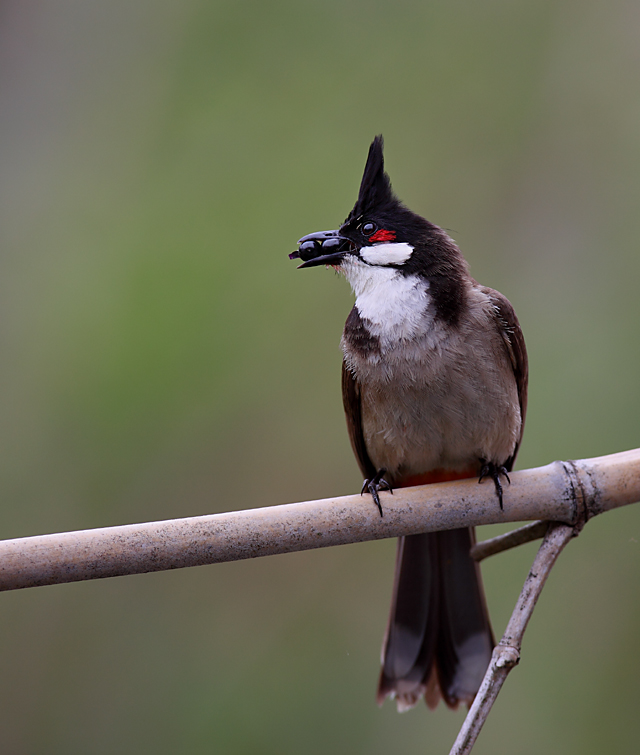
x: 493, y: 545
x: 506, y: 654
x: 561, y: 491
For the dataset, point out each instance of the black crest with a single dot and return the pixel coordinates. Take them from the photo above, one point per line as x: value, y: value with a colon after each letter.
x: 376, y: 194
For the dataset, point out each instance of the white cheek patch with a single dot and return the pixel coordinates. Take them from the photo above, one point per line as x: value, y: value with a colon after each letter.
x: 386, y: 254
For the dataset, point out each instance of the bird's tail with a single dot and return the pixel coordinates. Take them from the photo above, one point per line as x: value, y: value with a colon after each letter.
x: 438, y: 641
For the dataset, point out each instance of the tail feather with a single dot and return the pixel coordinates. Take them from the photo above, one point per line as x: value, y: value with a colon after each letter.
x: 410, y: 641
x: 465, y: 639
x: 439, y: 639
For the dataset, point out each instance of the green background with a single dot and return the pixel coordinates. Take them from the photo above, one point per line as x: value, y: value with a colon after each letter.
x: 162, y: 357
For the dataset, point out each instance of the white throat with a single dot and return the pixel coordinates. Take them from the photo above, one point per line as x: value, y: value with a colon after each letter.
x: 393, y: 304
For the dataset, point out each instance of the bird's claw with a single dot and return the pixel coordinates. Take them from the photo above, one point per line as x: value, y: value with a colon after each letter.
x: 376, y: 484
x: 495, y: 471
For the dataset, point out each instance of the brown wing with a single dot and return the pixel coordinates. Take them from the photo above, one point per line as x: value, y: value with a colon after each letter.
x: 511, y: 332
x: 353, y: 414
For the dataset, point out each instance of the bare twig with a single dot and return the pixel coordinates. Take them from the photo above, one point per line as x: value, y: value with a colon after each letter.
x: 493, y: 545
x: 506, y: 654
x: 558, y: 492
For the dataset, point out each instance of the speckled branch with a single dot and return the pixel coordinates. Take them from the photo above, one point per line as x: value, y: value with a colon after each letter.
x: 532, y: 531
x: 562, y: 491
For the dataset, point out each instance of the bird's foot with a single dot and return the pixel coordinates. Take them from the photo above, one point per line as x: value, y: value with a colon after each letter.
x: 375, y: 485
x: 495, y: 471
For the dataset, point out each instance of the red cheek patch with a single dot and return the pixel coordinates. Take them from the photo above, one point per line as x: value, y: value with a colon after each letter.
x: 382, y: 235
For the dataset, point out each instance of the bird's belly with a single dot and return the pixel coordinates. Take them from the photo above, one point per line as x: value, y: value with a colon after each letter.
x: 439, y: 425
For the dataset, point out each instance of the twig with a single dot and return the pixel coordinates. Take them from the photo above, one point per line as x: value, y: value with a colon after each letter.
x: 557, y: 492
x: 493, y: 545
x: 506, y: 654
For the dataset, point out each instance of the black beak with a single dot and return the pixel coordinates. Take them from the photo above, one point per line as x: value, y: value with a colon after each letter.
x: 322, y: 248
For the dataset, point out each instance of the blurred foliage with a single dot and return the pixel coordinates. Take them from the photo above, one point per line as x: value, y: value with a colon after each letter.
x: 163, y: 357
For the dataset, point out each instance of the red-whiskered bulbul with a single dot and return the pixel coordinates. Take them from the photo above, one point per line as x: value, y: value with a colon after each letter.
x: 434, y: 386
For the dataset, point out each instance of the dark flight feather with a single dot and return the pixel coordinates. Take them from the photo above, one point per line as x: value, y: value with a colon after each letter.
x: 513, y: 339
x: 353, y: 415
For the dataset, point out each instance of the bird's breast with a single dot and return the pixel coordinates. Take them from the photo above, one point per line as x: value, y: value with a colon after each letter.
x: 442, y: 399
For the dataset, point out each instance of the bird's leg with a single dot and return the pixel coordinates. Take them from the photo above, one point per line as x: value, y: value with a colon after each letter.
x: 376, y: 484
x: 495, y: 471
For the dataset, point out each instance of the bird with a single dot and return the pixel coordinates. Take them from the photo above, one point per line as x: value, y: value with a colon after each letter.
x: 434, y: 388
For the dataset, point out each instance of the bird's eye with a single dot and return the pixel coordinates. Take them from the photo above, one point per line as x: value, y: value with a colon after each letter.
x: 368, y: 228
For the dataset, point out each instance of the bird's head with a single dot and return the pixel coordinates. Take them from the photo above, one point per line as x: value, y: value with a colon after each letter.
x: 379, y: 232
